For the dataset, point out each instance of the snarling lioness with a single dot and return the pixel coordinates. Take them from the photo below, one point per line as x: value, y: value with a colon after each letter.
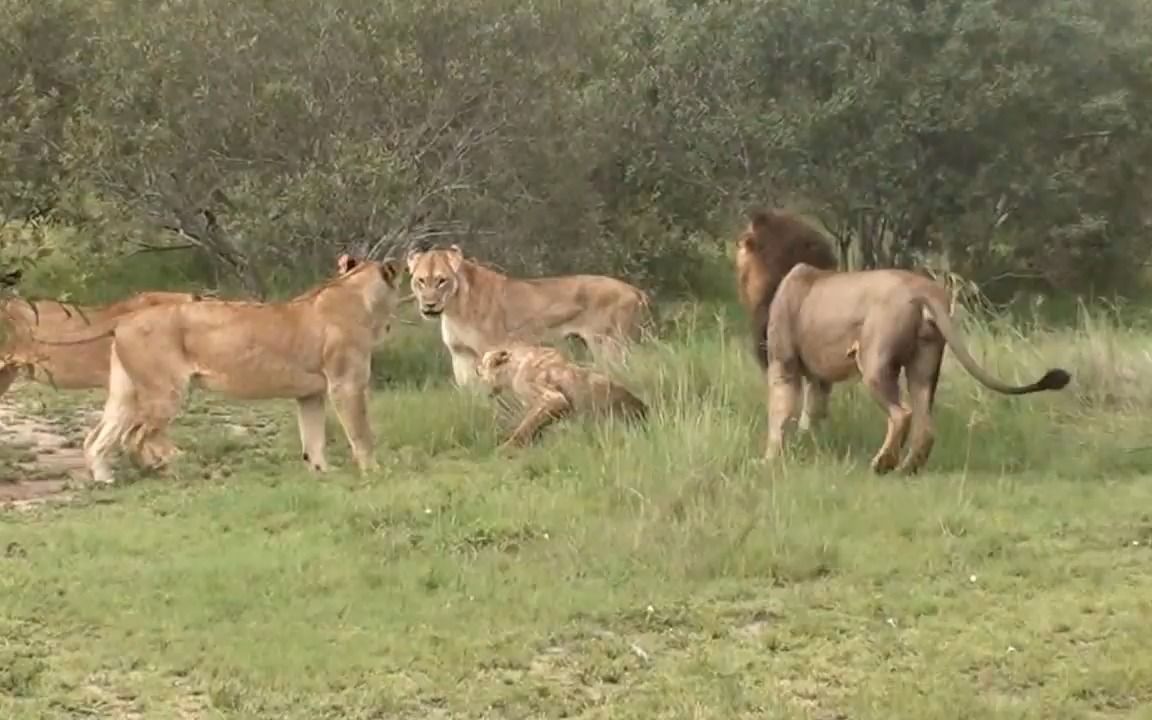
x: 551, y: 387
x: 833, y: 326
x: 772, y: 244
x: 79, y: 366
x: 316, y: 346
x: 480, y: 309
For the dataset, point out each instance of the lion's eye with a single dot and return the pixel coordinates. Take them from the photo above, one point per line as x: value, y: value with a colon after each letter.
x: 419, y: 282
x: 441, y: 282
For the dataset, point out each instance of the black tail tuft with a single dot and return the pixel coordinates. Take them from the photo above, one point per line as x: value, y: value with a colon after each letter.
x: 1055, y: 379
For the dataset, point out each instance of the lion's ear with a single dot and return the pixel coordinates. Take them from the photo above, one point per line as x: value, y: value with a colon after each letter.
x: 390, y: 270
x: 499, y: 357
x: 345, y: 262
x: 412, y: 258
x: 455, y: 257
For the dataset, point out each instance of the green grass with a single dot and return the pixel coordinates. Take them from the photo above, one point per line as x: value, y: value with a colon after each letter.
x: 659, y: 572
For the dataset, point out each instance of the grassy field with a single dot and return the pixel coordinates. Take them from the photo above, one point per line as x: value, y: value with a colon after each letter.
x: 611, y: 573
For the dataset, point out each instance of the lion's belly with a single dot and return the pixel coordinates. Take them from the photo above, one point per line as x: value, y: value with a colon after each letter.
x: 833, y: 369
x: 259, y: 379
x: 260, y: 364
x: 827, y: 350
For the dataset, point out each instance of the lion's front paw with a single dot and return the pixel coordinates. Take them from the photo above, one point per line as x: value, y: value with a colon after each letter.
x: 883, y: 464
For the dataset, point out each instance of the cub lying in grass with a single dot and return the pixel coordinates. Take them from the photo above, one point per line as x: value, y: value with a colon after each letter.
x: 551, y: 387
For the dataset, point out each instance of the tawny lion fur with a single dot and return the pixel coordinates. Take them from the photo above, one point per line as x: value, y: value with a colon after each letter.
x: 551, y: 387
x: 772, y: 244
x: 480, y: 309
x: 779, y: 241
x: 829, y: 327
x: 29, y: 328
x: 315, y: 347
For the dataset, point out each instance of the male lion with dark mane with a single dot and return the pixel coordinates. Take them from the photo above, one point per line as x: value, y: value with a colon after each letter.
x: 80, y: 366
x: 551, y: 387
x: 769, y: 247
x: 314, y: 346
x: 480, y: 309
x: 829, y: 327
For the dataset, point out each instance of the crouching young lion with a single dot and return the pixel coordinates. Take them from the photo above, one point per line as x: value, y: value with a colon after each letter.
x: 480, y: 309
x: 315, y: 346
x: 551, y: 387
x: 67, y: 366
x: 829, y: 327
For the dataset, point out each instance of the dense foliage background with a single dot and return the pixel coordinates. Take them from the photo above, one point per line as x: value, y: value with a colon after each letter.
x: 245, y: 144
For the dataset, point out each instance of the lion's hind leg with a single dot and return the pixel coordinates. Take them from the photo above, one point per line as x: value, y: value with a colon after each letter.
x: 136, y: 418
x: 881, y: 375
x: 549, y: 406
x: 923, y: 376
x: 98, y: 447
x: 116, y: 423
x: 152, y: 448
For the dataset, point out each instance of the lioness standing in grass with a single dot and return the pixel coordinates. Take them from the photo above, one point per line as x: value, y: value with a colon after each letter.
x: 480, y: 309
x: 829, y: 327
x: 551, y: 387
x: 316, y: 346
x: 79, y: 366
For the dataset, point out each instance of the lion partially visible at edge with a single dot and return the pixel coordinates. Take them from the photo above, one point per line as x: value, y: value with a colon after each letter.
x: 314, y: 347
x: 79, y: 366
x: 828, y: 327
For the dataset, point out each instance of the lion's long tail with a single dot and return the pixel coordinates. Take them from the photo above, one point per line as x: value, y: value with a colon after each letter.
x: 75, y: 339
x: 1054, y: 379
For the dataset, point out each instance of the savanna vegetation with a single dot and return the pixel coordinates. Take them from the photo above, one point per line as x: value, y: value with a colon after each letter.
x: 609, y: 572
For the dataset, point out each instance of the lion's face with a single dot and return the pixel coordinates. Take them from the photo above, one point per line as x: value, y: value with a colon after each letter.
x: 434, y: 278
x: 751, y: 273
x: 381, y: 294
x: 747, y: 247
x: 493, y: 368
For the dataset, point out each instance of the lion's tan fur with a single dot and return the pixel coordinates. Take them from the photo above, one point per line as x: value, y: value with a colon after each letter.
x: 313, y: 347
x: 76, y: 366
x: 772, y: 244
x: 550, y: 387
x: 829, y: 327
x: 480, y: 309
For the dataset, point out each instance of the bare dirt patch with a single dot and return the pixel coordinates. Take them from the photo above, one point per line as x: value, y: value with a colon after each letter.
x: 39, y: 458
